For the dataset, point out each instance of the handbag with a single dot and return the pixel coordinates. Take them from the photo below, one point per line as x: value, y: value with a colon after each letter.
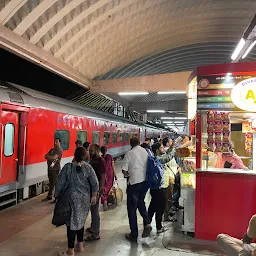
x: 119, y: 193
x: 171, y: 179
x: 62, y: 210
x: 115, y: 194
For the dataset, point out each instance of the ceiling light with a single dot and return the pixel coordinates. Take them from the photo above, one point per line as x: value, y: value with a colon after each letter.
x: 132, y: 93
x: 172, y: 92
x: 173, y: 122
x: 175, y: 125
x: 249, y: 49
x: 228, y: 74
x: 155, y: 111
x: 238, y: 49
x: 181, y: 118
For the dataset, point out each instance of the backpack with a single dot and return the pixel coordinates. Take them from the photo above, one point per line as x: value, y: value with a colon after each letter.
x: 155, y: 172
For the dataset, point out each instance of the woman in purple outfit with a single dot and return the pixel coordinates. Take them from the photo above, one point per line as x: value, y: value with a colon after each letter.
x: 110, y: 175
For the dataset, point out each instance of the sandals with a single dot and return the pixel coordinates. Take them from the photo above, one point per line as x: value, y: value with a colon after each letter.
x: 91, y: 238
x: 79, y: 248
x: 89, y: 230
x: 63, y: 253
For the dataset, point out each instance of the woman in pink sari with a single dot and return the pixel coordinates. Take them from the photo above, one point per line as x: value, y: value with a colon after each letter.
x: 109, y: 178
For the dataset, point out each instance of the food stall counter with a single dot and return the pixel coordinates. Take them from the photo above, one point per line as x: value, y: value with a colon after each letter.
x: 225, y: 202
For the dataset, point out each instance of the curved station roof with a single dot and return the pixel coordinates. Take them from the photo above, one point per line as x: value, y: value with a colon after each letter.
x: 124, y: 38
x: 99, y: 44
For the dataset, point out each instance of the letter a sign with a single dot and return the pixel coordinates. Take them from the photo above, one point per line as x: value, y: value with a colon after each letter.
x: 243, y: 95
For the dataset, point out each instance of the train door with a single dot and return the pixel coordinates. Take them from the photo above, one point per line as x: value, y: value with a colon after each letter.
x: 9, y: 125
x: 142, y: 135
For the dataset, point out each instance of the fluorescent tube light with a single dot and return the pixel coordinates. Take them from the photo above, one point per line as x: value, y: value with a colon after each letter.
x: 228, y: 74
x: 174, y: 118
x: 175, y: 125
x: 238, y: 49
x: 132, y: 93
x: 249, y: 49
x: 173, y: 122
x: 172, y: 92
x: 155, y: 111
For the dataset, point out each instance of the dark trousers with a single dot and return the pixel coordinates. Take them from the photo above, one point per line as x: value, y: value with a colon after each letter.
x: 95, y: 224
x: 157, y: 205
x: 175, y: 198
x: 53, y: 177
x: 135, y: 200
x: 72, y: 234
x: 168, y: 203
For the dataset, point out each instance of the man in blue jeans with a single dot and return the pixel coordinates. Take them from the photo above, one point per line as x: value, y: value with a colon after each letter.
x: 134, y: 167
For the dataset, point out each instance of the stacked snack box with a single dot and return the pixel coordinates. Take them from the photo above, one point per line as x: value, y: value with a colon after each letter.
x: 248, y: 142
x: 218, y: 130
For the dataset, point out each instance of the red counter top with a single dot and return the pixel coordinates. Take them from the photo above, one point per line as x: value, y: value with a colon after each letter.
x: 225, y: 202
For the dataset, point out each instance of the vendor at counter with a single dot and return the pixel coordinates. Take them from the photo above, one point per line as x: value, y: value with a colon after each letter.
x: 230, y: 159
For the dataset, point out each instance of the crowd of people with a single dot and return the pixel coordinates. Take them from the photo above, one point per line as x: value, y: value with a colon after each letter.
x: 165, y: 198
x: 90, y: 177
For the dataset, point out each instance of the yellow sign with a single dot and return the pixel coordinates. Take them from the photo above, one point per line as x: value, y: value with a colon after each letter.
x: 246, y: 127
x: 244, y: 95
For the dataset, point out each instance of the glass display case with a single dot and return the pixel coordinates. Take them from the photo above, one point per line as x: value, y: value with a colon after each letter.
x: 188, y: 179
x: 187, y: 193
x: 226, y: 140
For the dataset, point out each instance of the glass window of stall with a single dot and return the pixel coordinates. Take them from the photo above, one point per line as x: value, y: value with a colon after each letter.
x: 226, y: 139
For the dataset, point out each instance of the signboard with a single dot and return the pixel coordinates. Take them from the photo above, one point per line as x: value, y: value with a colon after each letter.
x: 226, y: 93
x: 215, y: 99
x: 244, y: 95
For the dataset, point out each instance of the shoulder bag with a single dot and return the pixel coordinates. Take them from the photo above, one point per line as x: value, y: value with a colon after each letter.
x: 62, y: 210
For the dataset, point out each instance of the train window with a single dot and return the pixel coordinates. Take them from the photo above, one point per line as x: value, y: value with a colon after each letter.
x: 9, y: 140
x: 122, y: 137
x: 64, y: 135
x: 106, y: 138
x: 82, y: 135
x: 96, y: 138
x: 127, y: 137
x: 114, y: 137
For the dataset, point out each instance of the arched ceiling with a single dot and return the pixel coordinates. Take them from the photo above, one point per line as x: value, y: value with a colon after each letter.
x: 120, y: 38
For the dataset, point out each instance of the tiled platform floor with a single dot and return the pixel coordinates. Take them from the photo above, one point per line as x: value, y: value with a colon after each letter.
x: 26, y: 230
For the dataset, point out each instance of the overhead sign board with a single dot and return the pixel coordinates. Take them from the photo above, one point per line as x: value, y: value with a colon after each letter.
x: 227, y: 93
x: 243, y: 95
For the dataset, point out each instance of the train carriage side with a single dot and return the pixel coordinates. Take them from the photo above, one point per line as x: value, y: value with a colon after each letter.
x: 27, y: 133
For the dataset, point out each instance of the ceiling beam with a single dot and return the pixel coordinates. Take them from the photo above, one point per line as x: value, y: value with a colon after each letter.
x: 165, y: 82
x: 21, y: 47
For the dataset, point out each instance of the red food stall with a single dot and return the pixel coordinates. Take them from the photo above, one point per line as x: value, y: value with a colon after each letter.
x: 225, y: 151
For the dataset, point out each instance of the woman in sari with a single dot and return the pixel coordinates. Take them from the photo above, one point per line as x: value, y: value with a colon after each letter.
x: 80, y: 178
x: 110, y: 175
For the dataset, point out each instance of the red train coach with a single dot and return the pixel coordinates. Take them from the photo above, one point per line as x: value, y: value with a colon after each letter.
x: 29, y: 122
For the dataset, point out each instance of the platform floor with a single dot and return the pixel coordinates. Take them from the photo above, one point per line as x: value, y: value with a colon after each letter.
x: 26, y: 230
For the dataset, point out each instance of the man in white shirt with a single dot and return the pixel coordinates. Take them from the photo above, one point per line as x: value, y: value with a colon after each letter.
x: 134, y: 167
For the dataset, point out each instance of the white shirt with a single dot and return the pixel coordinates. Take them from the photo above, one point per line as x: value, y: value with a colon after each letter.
x: 135, y: 163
